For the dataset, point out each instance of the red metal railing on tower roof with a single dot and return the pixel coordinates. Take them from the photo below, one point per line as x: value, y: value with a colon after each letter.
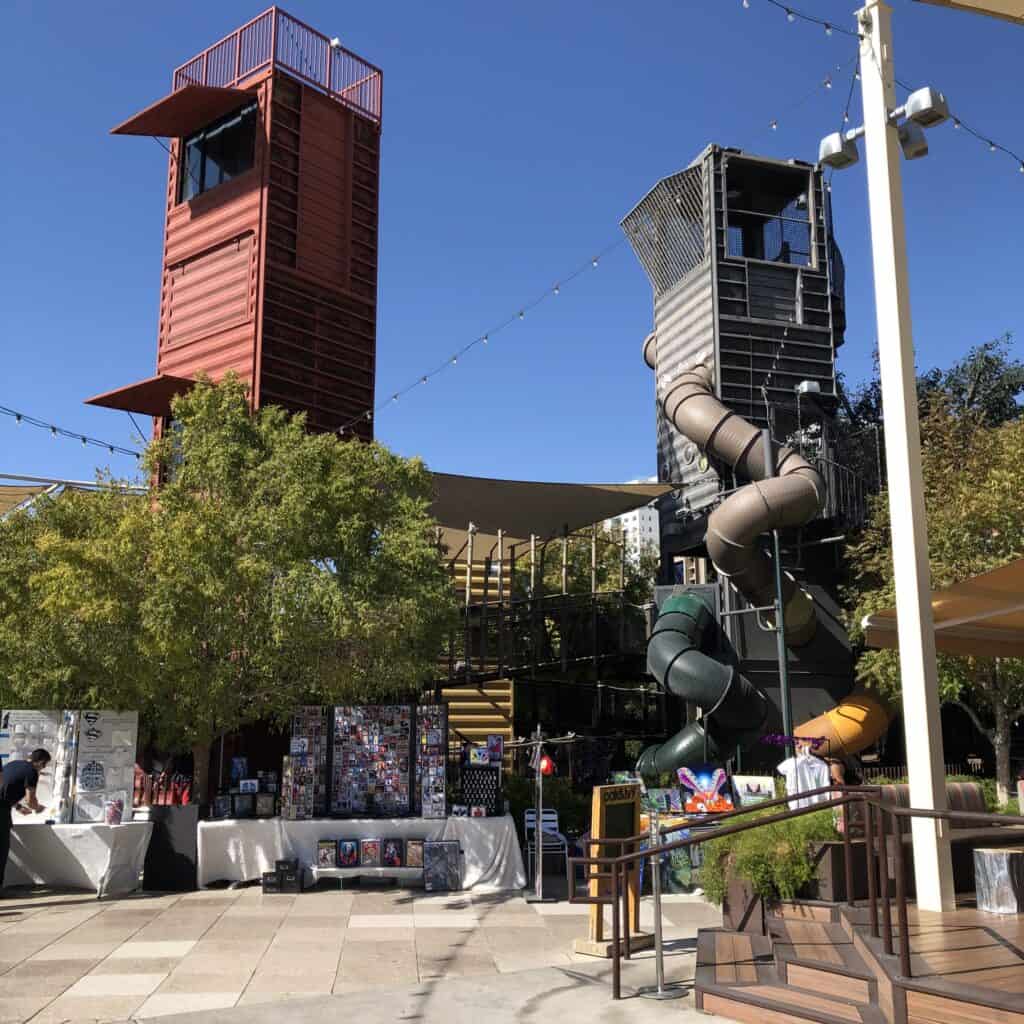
x: 274, y: 39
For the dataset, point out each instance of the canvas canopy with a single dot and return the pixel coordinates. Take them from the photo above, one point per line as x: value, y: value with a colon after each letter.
x: 983, y: 616
x: 1011, y: 10
x: 520, y: 508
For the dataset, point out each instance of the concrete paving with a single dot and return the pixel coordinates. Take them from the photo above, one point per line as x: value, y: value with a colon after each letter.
x: 72, y: 958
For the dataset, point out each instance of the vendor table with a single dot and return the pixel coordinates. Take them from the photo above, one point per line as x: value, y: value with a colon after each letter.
x: 106, y: 858
x: 241, y: 850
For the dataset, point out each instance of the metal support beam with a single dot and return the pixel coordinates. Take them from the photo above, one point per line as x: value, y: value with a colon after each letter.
x: 933, y: 870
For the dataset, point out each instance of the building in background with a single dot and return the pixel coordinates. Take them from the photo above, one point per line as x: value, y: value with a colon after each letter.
x: 270, y: 239
x: 641, y: 528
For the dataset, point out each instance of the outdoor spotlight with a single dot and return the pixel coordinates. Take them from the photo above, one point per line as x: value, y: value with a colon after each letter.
x: 335, y: 43
x: 927, y: 107
x: 837, y: 151
x: 808, y: 387
x: 912, y: 140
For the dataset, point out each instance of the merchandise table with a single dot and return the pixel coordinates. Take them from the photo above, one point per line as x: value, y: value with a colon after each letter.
x: 241, y: 850
x: 106, y: 858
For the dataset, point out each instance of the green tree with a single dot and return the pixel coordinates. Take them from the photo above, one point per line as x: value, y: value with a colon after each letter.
x: 975, y: 512
x: 273, y: 567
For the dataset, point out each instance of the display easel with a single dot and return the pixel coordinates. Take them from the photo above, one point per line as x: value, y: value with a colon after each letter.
x: 614, y: 816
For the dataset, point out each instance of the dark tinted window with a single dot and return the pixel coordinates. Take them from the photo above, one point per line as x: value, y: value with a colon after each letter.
x: 218, y: 153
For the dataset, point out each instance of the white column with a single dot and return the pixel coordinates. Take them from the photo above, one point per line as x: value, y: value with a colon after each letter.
x: 933, y: 871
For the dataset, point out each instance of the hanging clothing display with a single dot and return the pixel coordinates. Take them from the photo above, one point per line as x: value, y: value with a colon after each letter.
x: 802, y: 773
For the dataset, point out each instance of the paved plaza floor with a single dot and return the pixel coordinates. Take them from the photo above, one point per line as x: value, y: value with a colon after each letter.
x: 72, y: 958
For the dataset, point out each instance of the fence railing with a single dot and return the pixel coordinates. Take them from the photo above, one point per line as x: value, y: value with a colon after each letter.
x: 557, y: 630
x: 276, y: 39
x: 612, y: 873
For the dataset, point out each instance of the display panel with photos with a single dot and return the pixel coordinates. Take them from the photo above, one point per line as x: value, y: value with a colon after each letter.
x: 442, y: 870
x: 481, y: 787
x: 429, y: 798
x: 753, y: 789
x: 304, y: 777
x: 372, y: 752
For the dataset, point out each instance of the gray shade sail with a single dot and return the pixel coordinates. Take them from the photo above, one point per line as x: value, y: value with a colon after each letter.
x: 520, y: 508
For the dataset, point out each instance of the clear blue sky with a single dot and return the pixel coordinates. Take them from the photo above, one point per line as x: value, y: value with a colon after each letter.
x: 515, y: 138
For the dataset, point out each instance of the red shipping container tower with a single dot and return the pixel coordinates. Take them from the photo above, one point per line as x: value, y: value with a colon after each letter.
x: 270, y: 239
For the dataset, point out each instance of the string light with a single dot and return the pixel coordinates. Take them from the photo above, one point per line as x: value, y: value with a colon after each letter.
x: 828, y: 82
x: 774, y: 125
x: 746, y: 5
x: 21, y: 418
x: 482, y: 339
x: 792, y: 14
x: 960, y: 124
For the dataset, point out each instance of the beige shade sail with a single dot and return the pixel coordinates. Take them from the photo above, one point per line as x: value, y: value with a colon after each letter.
x: 13, y: 496
x: 520, y: 508
x: 983, y: 616
x: 1011, y: 10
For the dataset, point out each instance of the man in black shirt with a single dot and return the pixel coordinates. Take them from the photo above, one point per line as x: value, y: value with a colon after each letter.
x: 18, y: 782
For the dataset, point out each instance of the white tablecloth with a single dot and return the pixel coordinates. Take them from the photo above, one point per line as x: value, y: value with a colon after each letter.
x: 106, y: 858
x: 240, y: 851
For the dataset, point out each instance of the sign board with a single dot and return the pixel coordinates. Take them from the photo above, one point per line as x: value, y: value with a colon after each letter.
x: 615, y: 815
x: 105, y: 767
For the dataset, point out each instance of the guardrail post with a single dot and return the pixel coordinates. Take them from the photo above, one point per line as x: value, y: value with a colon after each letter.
x: 901, y: 903
x: 883, y: 878
x: 627, y: 950
x: 616, y: 966
x: 869, y: 858
x: 847, y: 854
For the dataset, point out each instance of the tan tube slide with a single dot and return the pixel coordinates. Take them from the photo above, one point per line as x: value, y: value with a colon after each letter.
x: 792, y: 496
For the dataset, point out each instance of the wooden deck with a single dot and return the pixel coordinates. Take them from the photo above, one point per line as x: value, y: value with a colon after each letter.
x: 820, y: 963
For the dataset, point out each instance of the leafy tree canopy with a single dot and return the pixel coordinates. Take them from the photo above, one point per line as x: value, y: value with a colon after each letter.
x: 272, y: 567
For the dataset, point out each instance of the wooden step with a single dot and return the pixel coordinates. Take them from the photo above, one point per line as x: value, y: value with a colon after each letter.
x: 737, y: 978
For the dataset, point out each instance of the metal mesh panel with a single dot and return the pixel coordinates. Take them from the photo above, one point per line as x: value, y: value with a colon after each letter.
x: 772, y: 238
x: 667, y: 229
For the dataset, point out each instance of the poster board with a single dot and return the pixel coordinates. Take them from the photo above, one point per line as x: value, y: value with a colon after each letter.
x: 104, y: 769
x: 615, y: 814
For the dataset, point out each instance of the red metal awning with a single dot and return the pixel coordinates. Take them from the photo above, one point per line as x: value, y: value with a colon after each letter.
x: 151, y: 397
x: 183, y: 111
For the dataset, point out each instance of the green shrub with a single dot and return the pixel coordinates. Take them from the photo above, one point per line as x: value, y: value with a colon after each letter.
x: 776, y: 860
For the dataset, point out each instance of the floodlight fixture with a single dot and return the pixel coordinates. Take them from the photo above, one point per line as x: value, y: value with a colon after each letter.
x: 927, y: 107
x: 838, y: 151
x: 335, y: 43
x: 808, y: 387
x: 912, y: 140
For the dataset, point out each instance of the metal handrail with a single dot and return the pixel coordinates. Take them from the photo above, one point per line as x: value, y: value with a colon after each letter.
x: 879, y: 887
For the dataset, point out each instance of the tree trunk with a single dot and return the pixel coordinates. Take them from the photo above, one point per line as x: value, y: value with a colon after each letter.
x: 201, y: 773
x: 1001, y: 743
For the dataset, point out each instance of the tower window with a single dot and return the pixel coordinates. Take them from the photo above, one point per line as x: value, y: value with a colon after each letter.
x: 220, y: 152
x: 769, y: 215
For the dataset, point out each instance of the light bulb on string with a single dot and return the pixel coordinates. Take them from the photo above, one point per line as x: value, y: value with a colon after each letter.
x: 746, y: 5
x: 991, y: 147
x: 774, y: 125
x: 828, y: 29
x: 594, y: 261
x: 522, y: 315
x: 17, y: 419
x: 84, y: 442
x: 423, y: 379
x: 956, y: 122
x: 369, y: 416
x: 556, y: 289
x: 110, y: 448
x: 53, y: 431
x: 790, y: 16
x: 455, y: 360
x: 1022, y: 167
x: 828, y: 82
x: 394, y: 397
x: 485, y: 339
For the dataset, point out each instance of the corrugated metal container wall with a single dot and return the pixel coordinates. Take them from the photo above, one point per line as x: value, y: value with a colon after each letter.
x: 319, y: 306
x: 208, y: 298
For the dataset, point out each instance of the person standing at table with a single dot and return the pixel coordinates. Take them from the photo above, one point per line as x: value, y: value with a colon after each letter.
x: 18, y: 783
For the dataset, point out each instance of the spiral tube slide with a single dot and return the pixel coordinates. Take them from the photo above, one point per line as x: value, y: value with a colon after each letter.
x: 734, y: 708
x: 792, y: 496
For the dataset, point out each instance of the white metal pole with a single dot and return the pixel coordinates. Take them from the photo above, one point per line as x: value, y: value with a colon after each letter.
x: 933, y: 870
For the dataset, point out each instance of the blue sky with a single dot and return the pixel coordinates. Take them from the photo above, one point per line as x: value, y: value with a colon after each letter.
x: 515, y: 138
